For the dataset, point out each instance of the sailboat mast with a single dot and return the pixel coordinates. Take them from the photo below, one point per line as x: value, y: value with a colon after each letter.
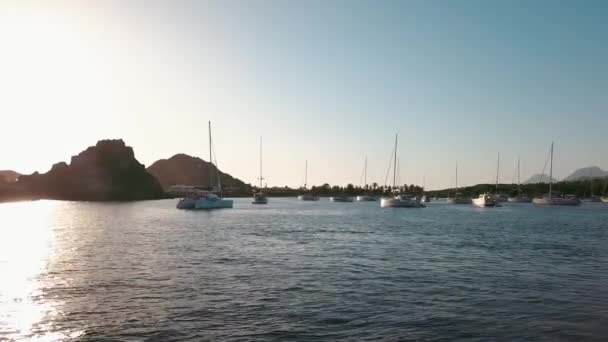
x: 365, y: 173
x: 261, y: 163
x: 497, y: 171
x: 551, y: 173
x: 210, y: 160
x: 518, y: 174
x: 456, y: 179
x: 305, y: 174
x: 395, y: 164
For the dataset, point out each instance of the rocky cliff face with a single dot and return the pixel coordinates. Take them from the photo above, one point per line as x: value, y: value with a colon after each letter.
x: 182, y: 169
x: 107, y: 171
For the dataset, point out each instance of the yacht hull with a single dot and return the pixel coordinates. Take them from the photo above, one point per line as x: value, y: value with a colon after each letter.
x: 213, y: 204
x: 485, y: 202
x: 366, y: 198
x: 340, y: 199
x: 458, y: 201
x: 556, y: 201
x: 400, y: 203
x: 605, y: 199
x: 308, y: 197
x: 519, y: 199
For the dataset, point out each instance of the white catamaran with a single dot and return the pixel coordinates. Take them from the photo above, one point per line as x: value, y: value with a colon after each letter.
x: 260, y: 197
x: 207, y: 199
x: 553, y: 198
x: 399, y: 200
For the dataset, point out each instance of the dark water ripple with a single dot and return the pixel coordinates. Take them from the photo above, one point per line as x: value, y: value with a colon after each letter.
x: 307, y: 272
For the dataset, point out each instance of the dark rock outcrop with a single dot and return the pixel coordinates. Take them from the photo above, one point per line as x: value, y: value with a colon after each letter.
x: 107, y: 171
x: 182, y: 169
x: 8, y: 176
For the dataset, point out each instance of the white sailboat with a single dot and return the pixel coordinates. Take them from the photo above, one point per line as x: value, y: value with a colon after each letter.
x: 365, y: 197
x: 399, y: 200
x: 488, y: 200
x: 207, y: 199
x: 260, y: 197
x: 307, y: 195
x: 520, y: 198
x: 553, y: 198
x: 458, y: 197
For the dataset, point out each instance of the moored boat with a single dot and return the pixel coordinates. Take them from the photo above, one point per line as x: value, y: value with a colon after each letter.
x: 366, y: 198
x: 519, y: 198
x: 399, y: 200
x: 458, y: 198
x: 207, y: 199
x: 307, y: 195
x: 260, y: 197
x: 553, y: 198
x: 340, y: 199
x: 485, y: 200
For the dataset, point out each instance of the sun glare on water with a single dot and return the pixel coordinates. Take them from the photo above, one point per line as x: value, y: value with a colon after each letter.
x: 26, y: 248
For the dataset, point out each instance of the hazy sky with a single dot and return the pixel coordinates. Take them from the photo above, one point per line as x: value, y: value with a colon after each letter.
x: 327, y: 81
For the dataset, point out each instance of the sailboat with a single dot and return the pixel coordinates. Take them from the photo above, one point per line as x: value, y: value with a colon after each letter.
x: 605, y: 197
x: 487, y: 200
x: 260, y: 197
x: 520, y: 198
x: 425, y: 198
x: 458, y: 197
x: 365, y: 197
x: 554, y: 198
x: 207, y: 199
x: 399, y: 200
x: 307, y: 195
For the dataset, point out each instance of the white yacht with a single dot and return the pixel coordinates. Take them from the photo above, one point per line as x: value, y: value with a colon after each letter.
x: 485, y: 200
x: 207, y: 200
x: 553, y: 198
x: 458, y: 198
x: 365, y: 197
x: 307, y: 195
x: 399, y: 200
x: 260, y: 197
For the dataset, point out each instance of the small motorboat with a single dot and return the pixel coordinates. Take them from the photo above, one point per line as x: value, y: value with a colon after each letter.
x: 485, y: 201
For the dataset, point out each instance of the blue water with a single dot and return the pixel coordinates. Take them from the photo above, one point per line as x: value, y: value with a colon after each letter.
x: 306, y: 271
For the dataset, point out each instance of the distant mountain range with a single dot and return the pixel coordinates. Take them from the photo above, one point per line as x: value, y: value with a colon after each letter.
x: 182, y: 169
x: 586, y: 173
x: 539, y: 178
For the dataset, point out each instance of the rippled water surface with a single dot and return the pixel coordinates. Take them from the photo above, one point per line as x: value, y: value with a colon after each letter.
x: 305, y: 271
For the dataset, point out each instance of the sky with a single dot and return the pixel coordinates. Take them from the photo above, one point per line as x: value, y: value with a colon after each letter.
x: 330, y: 82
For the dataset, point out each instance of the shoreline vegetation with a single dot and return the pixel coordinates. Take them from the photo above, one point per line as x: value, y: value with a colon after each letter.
x: 109, y: 171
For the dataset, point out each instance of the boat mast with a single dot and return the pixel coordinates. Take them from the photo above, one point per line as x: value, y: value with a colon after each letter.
x: 518, y: 179
x: 210, y: 160
x: 261, y: 164
x: 365, y: 173
x: 395, y: 164
x: 456, y: 191
x: 305, y: 174
x: 497, y: 171
x: 551, y: 173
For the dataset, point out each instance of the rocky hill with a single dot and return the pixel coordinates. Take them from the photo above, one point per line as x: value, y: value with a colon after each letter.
x: 539, y: 178
x: 107, y: 171
x: 8, y: 176
x: 586, y: 173
x: 182, y: 169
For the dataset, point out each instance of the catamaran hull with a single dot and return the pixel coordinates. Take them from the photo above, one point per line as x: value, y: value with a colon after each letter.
x: 556, y: 201
x: 519, y: 200
x: 458, y: 201
x: 340, y: 199
x: 399, y: 203
x: 366, y: 198
x: 308, y: 198
x: 216, y: 204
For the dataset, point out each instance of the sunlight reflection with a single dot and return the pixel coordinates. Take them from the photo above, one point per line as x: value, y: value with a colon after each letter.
x: 26, y: 247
